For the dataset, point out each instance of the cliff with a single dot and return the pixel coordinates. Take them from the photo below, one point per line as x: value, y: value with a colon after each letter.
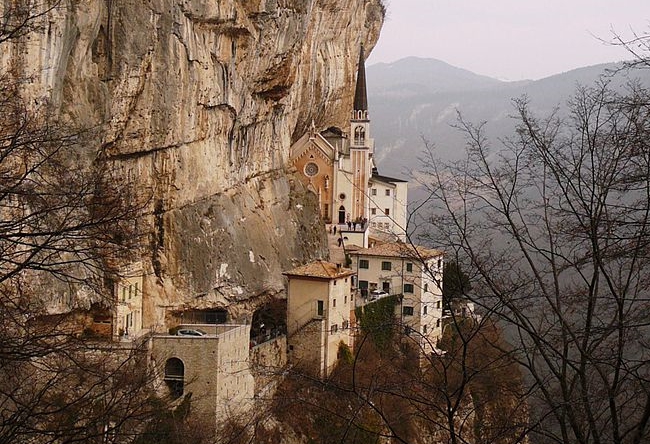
x: 198, y: 101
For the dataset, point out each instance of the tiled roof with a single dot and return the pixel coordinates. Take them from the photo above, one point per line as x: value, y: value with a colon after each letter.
x: 398, y: 249
x: 320, y: 269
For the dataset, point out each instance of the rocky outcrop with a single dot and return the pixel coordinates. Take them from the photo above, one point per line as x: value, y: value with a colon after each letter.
x: 199, y: 101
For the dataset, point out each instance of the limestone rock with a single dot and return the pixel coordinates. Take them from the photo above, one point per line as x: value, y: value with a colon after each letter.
x: 199, y: 101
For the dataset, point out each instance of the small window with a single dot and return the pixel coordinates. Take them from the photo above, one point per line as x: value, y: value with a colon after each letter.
x: 345, y: 325
x: 387, y: 192
x: 408, y: 288
x: 407, y: 311
x: 426, y: 287
x: 373, y: 191
x: 438, y: 304
x: 424, y: 329
x: 363, y: 263
x: 409, y: 267
x: 136, y: 289
x: 345, y: 299
x: 335, y: 328
x: 439, y: 263
x: 386, y: 265
x: 438, y: 323
x: 425, y: 309
x: 333, y: 302
x: 387, y: 211
x: 373, y: 211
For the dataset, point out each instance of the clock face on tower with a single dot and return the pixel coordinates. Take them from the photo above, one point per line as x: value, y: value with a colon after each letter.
x: 311, y: 169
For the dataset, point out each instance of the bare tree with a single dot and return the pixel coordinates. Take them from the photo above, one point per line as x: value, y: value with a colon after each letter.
x: 68, y: 221
x: 553, y: 227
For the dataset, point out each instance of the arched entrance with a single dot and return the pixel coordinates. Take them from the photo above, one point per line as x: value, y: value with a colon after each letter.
x: 175, y: 376
x: 341, y: 214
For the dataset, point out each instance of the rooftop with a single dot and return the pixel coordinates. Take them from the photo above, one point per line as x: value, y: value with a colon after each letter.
x: 320, y: 269
x: 386, y: 179
x: 398, y: 249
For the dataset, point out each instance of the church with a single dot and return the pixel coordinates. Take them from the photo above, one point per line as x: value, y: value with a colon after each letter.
x: 340, y: 169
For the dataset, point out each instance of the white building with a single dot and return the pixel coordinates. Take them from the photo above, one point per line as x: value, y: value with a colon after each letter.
x: 388, y: 199
x: 320, y: 311
x: 414, y: 273
x: 129, y: 302
x: 340, y: 169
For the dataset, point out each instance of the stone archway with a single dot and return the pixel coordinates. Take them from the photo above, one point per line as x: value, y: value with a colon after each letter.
x: 175, y: 376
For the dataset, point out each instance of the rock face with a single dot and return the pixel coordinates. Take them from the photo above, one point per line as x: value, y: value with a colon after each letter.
x: 199, y: 102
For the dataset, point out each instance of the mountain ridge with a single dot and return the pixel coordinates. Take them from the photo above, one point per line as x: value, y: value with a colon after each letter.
x: 416, y: 98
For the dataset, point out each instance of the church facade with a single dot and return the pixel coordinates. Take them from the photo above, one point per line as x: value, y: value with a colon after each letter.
x: 339, y: 167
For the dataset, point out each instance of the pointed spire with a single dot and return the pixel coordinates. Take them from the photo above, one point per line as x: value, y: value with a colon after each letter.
x: 360, y: 94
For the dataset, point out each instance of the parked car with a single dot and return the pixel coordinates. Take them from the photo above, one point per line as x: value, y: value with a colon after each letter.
x: 376, y: 294
x: 190, y: 332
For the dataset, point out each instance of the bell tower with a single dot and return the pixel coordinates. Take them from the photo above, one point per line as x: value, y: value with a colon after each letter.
x: 361, y: 145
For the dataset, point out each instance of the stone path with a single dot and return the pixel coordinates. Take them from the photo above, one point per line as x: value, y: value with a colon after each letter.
x: 337, y: 255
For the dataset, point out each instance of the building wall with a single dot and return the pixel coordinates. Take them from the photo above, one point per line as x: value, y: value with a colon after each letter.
x: 338, y: 321
x: 307, y: 348
x: 268, y: 360
x: 313, y: 344
x: 395, y: 203
x: 128, y: 308
x: 302, y: 302
x: 323, y: 182
x: 216, y: 369
x: 400, y: 209
x: 426, y: 291
x: 344, y: 187
x: 360, y: 171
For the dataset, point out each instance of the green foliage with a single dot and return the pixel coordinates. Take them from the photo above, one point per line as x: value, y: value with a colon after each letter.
x: 455, y: 282
x: 377, y: 320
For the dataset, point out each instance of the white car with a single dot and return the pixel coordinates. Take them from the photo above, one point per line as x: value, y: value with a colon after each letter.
x: 190, y: 332
x: 376, y: 294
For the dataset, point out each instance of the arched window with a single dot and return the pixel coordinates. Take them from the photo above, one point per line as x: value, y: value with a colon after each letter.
x: 175, y: 376
x: 341, y: 214
x: 359, y: 135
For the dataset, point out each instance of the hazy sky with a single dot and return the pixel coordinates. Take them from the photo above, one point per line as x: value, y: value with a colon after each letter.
x: 510, y: 39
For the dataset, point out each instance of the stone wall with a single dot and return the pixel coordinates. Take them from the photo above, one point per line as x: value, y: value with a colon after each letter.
x: 268, y: 361
x: 307, y: 348
x: 216, y: 369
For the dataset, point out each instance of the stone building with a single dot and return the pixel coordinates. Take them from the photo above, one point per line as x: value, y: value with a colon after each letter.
x: 414, y: 273
x: 340, y: 169
x: 213, y: 367
x: 320, y: 315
